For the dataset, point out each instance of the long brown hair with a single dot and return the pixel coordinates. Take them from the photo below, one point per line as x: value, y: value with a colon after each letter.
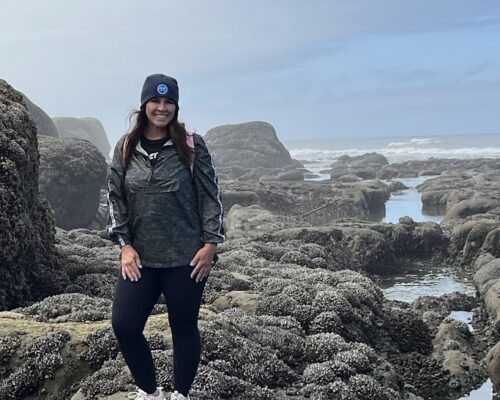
x: 175, y: 130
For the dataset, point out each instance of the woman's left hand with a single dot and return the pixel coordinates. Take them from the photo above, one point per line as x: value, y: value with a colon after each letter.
x: 202, y: 261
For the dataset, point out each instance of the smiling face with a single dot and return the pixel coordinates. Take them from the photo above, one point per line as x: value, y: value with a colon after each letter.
x: 160, y: 111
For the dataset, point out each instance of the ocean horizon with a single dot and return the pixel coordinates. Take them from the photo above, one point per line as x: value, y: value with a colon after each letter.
x: 318, y: 154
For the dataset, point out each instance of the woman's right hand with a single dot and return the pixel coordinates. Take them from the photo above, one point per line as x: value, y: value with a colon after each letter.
x: 130, y: 263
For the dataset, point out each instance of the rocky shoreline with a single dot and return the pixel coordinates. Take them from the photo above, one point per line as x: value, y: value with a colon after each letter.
x: 291, y: 310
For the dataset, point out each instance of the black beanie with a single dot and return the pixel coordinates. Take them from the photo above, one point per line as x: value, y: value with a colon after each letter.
x: 159, y: 85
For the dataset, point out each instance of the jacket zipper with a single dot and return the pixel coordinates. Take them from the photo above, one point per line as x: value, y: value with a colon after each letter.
x: 152, y: 170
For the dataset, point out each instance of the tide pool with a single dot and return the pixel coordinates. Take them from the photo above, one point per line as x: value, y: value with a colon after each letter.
x: 423, y: 280
x: 408, y: 203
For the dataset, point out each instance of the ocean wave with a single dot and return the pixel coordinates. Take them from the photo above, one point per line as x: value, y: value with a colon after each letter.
x: 400, y: 153
x: 416, y: 141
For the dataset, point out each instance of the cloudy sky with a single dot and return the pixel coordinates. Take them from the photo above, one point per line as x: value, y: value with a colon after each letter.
x: 312, y: 68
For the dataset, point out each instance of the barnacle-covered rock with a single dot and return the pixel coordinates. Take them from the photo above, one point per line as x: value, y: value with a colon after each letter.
x: 246, y: 359
x: 299, y: 293
x: 69, y: 307
x: 100, y: 285
x: 324, y: 346
x: 111, y: 378
x: 328, y: 371
x: 295, y: 257
x: 279, y: 305
x: 211, y: 383
x: 282, y: 334
x: 101, y: 346
x: 271, y: 251
x: 366, y: 387
x: 8, y: 346
x: 333, y: 301
x: 313, y: 250
x: 87, y: 251
x: 326, y: 322
x: 332, y: 390
x: 408, y: 331
x: 41, y: 358
x: 445, y: 304
x: 29, y: 268
x: 424, y: 373
x: 357, y: 359
x: 314, y: 332
x: 164, y: 366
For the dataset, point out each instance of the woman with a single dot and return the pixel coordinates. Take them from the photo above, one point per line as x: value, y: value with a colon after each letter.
x: 166, y: 214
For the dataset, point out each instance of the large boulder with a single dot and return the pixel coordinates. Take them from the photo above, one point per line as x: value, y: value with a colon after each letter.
x: 43, y: 123
x: 477, y: 205
x: 251, y: 151
x: 470, y: 200
x: 89, y: 129
x: 71, y: 174
x: 364, y: 166
x: 487, y: 282
x: 27, y: 263
x: 493, y: 365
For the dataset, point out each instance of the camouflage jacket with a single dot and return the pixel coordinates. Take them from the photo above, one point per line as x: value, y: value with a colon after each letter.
x: 165, y: 211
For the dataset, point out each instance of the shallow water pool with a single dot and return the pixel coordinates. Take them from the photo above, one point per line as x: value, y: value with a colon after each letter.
x: 408, y: 203
x: 424, y: 280
x: 421, y: 279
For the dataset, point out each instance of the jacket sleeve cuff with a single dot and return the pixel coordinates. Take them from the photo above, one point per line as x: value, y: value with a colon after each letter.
x: 212, y: 238
x: 120, y: 240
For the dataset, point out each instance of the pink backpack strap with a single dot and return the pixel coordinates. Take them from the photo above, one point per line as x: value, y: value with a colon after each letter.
x: 190, y: 143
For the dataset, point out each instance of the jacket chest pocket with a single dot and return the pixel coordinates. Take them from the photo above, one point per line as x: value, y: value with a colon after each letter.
x: 143, y: 182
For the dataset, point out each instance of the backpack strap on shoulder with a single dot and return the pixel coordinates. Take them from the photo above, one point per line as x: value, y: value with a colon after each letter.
x: 190, y: 143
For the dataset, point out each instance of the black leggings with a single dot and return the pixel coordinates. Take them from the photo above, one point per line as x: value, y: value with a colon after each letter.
x: 132, y: 304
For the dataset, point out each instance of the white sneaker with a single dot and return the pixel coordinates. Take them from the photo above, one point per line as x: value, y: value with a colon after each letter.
x: 178, y: 396
x: 142, y: 395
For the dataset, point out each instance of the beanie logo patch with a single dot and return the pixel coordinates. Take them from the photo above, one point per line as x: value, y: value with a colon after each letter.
x: 162, y: 89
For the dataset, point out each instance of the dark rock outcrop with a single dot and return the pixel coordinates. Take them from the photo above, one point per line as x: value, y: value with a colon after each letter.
x: 88, y: 128
x: 487, y: 282
x: 471, y: 202
x: 71, y: 174
x: 318, y: 203
x: 43, y: 123
x: 436, y: 166
x: 396, y: 186
x: 461, y: 194
x: 380, y: 249
x: 456, y: 348
x: 470, y: 197
x: 251, y: 151
x: 28, y: 269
